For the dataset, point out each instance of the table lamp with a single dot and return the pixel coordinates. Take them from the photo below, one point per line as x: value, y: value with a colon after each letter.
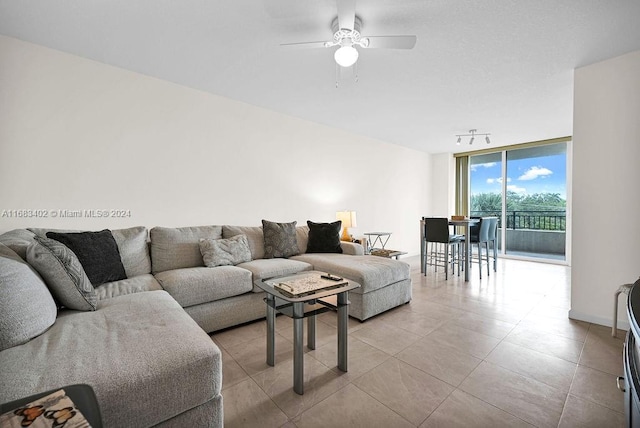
x: 348, y: 219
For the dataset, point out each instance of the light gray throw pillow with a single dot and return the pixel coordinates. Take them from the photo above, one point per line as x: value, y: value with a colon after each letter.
x: 26, y: 306
x: 225, y: 252
x: 63, y: 273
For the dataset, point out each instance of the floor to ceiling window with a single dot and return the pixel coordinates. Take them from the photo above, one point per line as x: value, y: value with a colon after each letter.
x: 526, y: 187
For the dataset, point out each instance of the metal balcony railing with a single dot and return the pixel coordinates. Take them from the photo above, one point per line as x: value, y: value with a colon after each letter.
x: 529, y: 219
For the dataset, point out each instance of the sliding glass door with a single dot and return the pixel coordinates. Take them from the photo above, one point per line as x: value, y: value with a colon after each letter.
x: 527, y: 189
x: 536, y: 201
x: 485, y: 176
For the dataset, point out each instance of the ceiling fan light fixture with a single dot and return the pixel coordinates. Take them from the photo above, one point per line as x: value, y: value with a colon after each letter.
x: 346, y: 56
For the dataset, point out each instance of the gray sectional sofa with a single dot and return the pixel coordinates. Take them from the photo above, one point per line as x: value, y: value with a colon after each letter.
x: 145, y: 349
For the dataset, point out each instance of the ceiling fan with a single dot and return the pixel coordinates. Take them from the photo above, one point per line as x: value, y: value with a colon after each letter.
x: 346, y: 34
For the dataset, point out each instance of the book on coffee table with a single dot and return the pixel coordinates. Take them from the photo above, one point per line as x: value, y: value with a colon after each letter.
x: 305, y: 285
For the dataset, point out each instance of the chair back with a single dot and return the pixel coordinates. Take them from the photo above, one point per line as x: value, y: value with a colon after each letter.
x: 436, y: 229
x: 474, y: 230
x: 493, y: 228
x: 483, y: 232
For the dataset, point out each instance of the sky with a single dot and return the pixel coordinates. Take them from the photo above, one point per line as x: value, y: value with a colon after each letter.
x: 546, y: 174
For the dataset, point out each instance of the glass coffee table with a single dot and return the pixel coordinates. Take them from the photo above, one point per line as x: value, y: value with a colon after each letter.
x: 308, y: 306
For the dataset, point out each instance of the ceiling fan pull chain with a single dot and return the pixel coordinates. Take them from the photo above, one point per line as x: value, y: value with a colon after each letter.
x: 337, y: 75
x: 355, y: 69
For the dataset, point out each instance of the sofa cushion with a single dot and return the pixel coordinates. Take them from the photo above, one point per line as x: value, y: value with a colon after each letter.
x: 371, y: 272
x: 98, y: 254
x: 352, y: 248
x: 176, y: 248
x: 26, y: 306
x: 134, y: 250
x: 193, y: 286
x: 324, y: 237
x: 63, y: 273
x: 225, y: 252
x: 280, y: 239
x: 254, y: 235
x: 269, y: 268
x: 302, y: 235
x: 145, y: 358
x: 137, y: 284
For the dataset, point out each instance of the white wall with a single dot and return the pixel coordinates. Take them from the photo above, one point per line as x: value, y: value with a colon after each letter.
x: 77, y: 134
x: 443, y: 178
x: 606, y: 176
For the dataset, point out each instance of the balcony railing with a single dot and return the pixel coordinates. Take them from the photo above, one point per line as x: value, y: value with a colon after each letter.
x: 530, y: 219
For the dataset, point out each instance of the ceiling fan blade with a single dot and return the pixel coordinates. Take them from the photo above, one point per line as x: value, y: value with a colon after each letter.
x: 346, y: 13
x: 392, y: 42
x: 304, y: 45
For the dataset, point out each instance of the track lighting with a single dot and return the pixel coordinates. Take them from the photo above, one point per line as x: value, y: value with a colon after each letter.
x: 472, y: 133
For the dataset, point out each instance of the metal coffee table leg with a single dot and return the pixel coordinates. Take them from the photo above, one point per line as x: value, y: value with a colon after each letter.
x: 271, y: 337
x: 311, y: 332
x: 343, y: 325
x: 298, y: 362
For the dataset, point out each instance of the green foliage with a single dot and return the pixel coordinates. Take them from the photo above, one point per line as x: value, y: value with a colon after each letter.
x: 492, y: 202
x: 541, y: 211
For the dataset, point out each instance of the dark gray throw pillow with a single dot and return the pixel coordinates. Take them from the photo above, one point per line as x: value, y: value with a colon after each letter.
x: 97, y: 252
x: 279, y: 239
x: 324, y: 237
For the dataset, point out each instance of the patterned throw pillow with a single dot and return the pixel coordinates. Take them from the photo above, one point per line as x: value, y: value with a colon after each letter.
x: 63, y: 273
x: 225, y: 252
x: 279, y: 239
x: 324, y: 237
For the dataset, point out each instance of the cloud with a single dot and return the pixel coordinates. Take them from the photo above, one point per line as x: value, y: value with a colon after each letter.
x: 483, y: 165
x: 516, y: 189
x: 535, y: 172
x: 497, y: 180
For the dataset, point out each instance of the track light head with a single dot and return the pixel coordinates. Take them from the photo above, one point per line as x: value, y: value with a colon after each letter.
x: 487, y: 139
x: 459, y: 139
x: 471, y: 140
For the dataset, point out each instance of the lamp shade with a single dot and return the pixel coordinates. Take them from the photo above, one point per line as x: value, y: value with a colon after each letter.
x: 348, y: 218
x: 346, y: 56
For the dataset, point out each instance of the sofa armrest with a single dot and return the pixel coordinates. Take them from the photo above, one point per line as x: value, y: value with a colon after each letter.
x: 352, y: 248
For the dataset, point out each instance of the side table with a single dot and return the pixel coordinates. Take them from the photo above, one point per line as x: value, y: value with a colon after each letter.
x: 377, y: 237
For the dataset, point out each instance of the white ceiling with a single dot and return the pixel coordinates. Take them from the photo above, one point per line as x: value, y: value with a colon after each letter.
x: 502, y: 66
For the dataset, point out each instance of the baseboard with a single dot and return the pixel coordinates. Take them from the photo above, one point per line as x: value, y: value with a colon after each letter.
x: 623, y: 324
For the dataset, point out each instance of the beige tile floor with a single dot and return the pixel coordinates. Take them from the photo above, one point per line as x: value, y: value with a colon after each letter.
x: 496, y: 352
